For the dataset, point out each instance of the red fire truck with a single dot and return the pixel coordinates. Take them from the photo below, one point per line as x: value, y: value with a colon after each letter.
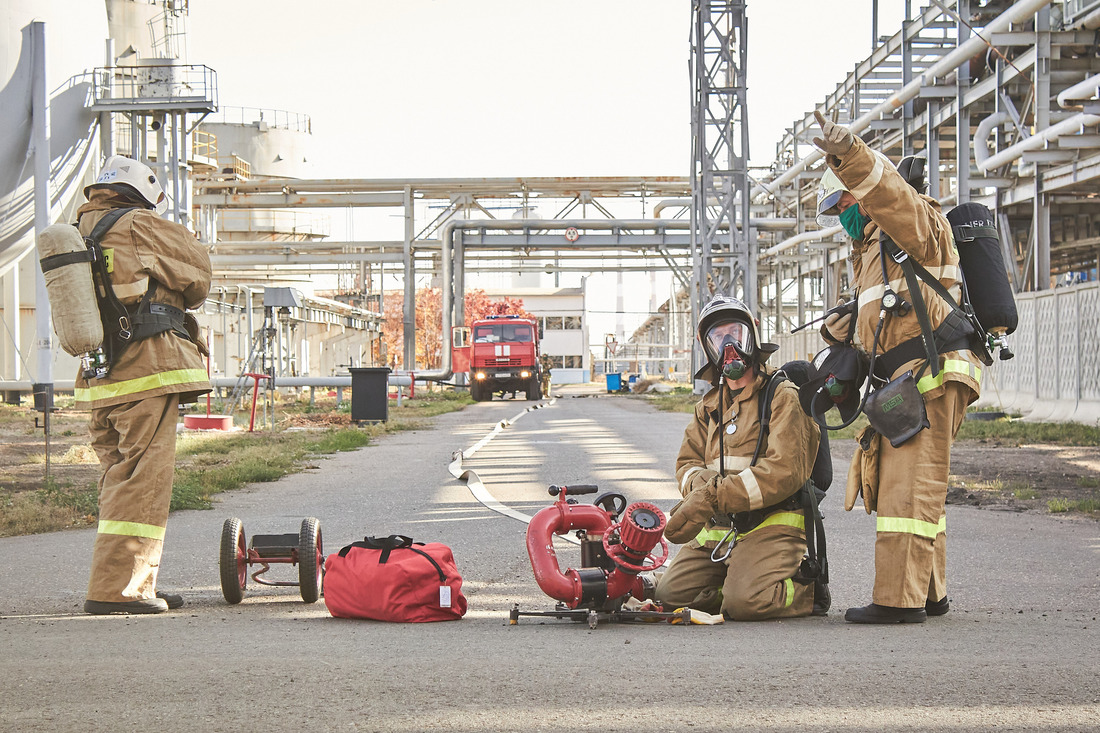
x: 505, y: 357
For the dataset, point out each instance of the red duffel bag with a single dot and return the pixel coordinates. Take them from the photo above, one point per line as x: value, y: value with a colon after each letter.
x: 394, y: 579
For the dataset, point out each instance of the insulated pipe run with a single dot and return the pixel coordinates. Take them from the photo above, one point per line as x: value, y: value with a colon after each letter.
x: 1080, y: 92
x: 981, y: 136
x: 766, y: 224
x: 797, y: 239
x: 1071, y: 126
x: 1017, y: 13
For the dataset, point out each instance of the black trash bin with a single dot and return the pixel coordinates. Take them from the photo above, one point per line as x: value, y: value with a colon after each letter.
x: 370, y: 400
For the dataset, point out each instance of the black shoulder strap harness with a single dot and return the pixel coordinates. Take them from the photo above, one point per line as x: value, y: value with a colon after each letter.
x: 960, y: 330
x: 816, y: 564
x: 121, y: 327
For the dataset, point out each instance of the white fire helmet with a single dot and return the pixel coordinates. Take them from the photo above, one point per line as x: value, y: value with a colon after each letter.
x: 122, y: 171
x: 828, y: 199
x: 830, y: 191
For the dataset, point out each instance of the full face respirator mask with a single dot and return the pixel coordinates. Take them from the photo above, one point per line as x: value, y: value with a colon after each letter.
x: 729, y: 348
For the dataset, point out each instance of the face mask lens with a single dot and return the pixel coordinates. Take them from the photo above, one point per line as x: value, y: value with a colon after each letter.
x: 734, y: 332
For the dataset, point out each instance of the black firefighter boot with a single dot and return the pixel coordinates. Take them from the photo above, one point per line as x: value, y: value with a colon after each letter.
x: 876, y: 614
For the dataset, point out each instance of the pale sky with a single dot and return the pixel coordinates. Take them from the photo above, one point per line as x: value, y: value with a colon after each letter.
x: 484, y: 88
x: 440, y: 88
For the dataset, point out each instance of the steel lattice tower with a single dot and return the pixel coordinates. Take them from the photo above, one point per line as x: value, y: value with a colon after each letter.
x: 724, y: 261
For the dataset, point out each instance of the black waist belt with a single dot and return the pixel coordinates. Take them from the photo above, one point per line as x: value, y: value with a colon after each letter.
x: 158, y: 318
x: 747, y: 521
x: 953, y: 334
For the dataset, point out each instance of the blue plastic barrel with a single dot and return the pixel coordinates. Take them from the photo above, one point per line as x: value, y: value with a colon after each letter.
x: 614, y: 381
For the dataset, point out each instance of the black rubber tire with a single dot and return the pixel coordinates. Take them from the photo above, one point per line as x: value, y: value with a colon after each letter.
x: 311, y: 560
x: 480, y: 392
x: 233, y: 561
x: 534, y: 389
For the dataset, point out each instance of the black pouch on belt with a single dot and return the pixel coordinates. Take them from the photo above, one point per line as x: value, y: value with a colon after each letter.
x: 896, y: 410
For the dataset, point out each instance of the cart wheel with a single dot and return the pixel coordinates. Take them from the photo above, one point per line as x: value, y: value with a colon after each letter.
x: 310, y: 559
x: 234, y: 561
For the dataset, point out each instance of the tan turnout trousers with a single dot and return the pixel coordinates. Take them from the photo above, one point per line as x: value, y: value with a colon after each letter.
x: 911, y: 540
x: 754, y: 583
x: 136, y: 445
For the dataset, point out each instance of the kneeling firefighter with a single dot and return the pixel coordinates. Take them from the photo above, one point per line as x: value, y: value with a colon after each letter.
x: 151, y: 270
x: 923, y: 361
x: 742, y: 520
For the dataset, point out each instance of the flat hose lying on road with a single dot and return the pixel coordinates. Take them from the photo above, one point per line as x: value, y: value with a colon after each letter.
x: 474, y: 482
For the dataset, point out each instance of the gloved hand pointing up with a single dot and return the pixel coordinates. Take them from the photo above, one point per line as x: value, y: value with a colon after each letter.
x: 837, y: 138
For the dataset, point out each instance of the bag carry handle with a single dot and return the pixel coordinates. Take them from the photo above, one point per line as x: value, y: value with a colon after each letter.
x: 391, y: 543
x: 385, y: 544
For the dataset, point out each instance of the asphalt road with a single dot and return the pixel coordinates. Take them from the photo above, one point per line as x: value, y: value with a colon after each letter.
x: 1020, y: 649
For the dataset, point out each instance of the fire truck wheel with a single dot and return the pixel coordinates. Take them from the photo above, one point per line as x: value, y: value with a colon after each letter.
x: 534, y: 389
x: 233, y: 561
x: 479, y: 393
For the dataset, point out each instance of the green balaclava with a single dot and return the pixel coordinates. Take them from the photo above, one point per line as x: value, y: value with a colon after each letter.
x: 854, y: 222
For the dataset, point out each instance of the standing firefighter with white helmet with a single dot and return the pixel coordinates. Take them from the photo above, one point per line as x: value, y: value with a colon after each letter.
x: 155, y: 269
x: 742, y: 521
x: 921, y: 361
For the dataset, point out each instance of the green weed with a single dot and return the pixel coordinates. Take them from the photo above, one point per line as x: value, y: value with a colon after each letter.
x: 1057, y: 506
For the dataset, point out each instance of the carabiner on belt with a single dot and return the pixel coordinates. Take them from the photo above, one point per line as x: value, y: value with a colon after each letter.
x: 729, y: 548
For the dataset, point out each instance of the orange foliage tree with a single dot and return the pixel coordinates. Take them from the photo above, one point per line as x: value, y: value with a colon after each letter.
x: 429, y: 322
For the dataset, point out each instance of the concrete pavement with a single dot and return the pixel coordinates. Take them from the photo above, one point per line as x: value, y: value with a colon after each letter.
x: 1019, y: 650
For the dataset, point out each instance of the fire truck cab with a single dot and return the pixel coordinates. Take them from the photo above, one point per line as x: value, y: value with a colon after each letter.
x: 505, y: 357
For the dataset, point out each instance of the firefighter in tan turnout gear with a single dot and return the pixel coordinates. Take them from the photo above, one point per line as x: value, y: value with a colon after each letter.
x: 741, y: 523
x: 157, y: 269
x: 906, y: 483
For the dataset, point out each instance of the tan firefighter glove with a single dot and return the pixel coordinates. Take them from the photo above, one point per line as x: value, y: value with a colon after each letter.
x: 691, y: 515
x: 863, y: 471
x: 838, y: 326
x: 835, y: 139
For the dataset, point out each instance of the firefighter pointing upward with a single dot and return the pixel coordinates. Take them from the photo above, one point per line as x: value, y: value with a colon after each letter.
x: 156, y: 270
x: 889, y: 221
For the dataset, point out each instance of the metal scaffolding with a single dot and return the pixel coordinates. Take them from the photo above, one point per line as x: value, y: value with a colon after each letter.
x: 725, y: 260
x: 1003, y: 108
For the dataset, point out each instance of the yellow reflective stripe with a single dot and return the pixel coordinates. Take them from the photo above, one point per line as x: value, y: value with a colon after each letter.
x: 712, y: 535
x: 958, y: 366
x: 140, y: 384
x: 787, y: 519
x: 911, y: 526
x: 131, y: 529
x: 789, y: 585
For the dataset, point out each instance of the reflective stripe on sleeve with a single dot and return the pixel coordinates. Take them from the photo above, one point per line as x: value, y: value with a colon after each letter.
x: 140, y: 384
x: 131, y: 290
x: 869, y: 182
x: 911, y: 526
x: 686, y: 480
x: 131, y: 529
x: 752, y: 489
x: 733, y: 463
x: 957, y: 366
x: 788, y: 586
